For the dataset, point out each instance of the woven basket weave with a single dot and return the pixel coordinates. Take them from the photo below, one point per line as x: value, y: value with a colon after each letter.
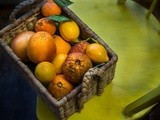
x: 94, y: 81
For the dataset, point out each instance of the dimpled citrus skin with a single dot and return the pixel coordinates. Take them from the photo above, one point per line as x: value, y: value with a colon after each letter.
x: 97, y: 53
x: 41, y: 47
x: 45, y: 72
x: 69, y: 30
x: 62, y: 46
x: 50, y: 8
x: 58, y: 61
x: 44, y: 24
x: 60, y: 87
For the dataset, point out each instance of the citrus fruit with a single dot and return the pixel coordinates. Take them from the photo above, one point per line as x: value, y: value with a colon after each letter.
x: 58, y: 62
x: 75, y: 66
x: 44, y: 24
x: 69, y: 30
x: 19, y: 44
x: 45, y: 72
x: 97, y: 53
x: 50, y: 8
x: 62, y: 46
x: 60, y: 87
x: 41, y: 47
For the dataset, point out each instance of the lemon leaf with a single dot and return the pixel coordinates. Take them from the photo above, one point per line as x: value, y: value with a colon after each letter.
x: 63, y: 3
x: 92, y: 40
x: 58, y: 18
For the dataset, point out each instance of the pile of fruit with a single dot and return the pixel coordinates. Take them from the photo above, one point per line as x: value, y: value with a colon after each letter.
x: 61, y: 58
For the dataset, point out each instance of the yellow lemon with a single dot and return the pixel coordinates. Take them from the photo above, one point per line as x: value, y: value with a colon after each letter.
x: 58, y: 62
x: 69, y: 30
x: 97, y: 53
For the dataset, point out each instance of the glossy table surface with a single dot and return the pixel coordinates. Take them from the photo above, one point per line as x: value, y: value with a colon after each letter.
x: 137, y: 43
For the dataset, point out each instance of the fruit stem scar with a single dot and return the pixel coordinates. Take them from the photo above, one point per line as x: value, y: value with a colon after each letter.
x: 77, y: 62
x: 43, y: 36
x: 59, y: 84
x: 39, y: 23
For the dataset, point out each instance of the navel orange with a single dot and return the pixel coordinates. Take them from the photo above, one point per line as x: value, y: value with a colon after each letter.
x: 50, y: 8
x: 60, y: 87
x: 44, y: 24
x: 41, y: 47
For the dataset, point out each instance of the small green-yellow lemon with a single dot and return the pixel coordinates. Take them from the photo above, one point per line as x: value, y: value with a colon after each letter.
x: 45, y: 72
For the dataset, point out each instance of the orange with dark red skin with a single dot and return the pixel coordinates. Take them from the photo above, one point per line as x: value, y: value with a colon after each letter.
x: 75, y: 66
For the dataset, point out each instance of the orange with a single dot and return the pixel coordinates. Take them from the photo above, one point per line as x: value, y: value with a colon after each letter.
x: 44, y: 24
x: 50, y: 8
x: 60, y: 87
x: 97, y: 53
x: 41, y: 47
x: 45, y: 72
x: 19, y: 44
x: 69, y: 30
x: 58, y: 61
x: 62, y: 46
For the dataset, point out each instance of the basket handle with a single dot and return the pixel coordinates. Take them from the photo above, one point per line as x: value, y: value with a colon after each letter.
x: 19, y: 7
x: 92, y: 75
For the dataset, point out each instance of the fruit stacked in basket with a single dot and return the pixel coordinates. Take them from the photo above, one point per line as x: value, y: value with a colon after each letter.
x: 60, y: 56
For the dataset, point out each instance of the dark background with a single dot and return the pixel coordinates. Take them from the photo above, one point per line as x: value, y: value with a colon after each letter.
x: 17, y: 99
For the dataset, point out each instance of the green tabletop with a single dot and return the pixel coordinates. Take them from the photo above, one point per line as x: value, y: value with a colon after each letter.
x: 137, y: 43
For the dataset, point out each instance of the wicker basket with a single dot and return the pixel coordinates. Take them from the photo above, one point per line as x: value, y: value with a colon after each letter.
x: 94, y: 81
